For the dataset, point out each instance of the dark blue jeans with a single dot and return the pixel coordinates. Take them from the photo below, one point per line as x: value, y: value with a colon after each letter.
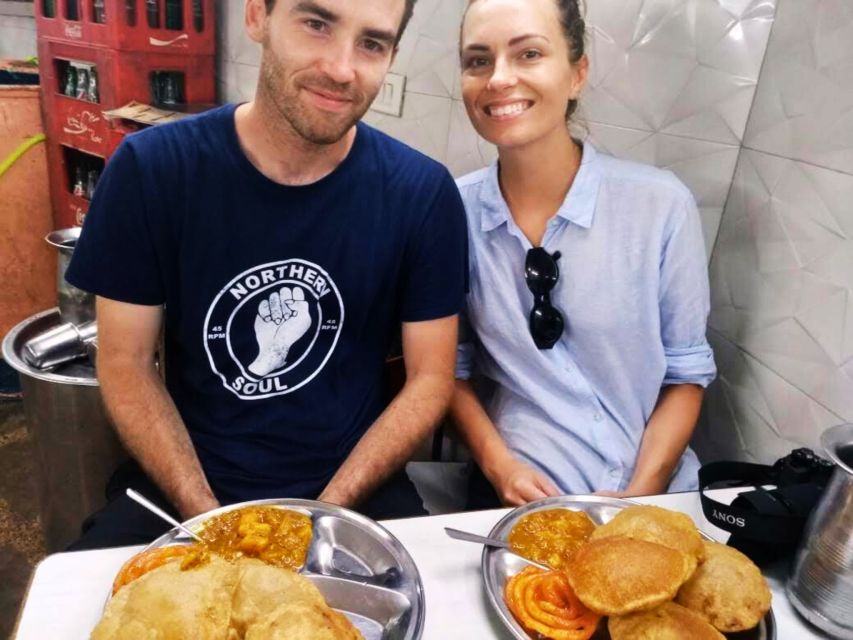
x: 122, y: 522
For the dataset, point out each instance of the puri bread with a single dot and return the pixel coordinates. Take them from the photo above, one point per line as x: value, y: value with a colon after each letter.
x: 618, y: 575
x: 262, y: 588
x: 220, y: 600
x: 727, y: 589
x: 303, y: 621
x: 670, y: 621
x: 170, y: 604
x: 655, y: 524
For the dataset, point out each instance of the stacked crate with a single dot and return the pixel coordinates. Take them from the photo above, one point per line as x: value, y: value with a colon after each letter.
x: 97, y: 55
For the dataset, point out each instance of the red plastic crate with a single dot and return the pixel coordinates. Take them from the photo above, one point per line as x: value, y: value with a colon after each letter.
x: 69, y: 210
x: 124, y: 76
x: 195, y: 35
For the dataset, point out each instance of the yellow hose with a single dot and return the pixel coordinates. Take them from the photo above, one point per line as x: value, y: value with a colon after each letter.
x: 25, y: 146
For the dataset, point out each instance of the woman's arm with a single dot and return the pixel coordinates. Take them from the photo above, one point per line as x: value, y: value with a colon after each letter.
x: 666, y: 437
x: 515, y: 482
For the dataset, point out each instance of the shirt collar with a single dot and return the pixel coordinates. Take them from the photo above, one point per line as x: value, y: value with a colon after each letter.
x: 578, y: 206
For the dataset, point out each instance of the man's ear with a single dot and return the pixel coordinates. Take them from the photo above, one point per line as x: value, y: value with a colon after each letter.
x: 255, y: 18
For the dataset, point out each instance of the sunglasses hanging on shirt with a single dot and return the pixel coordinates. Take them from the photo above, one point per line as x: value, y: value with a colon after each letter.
x: 541, y: 274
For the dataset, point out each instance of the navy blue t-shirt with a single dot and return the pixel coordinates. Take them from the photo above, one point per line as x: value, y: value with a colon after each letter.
x: 281, y: 301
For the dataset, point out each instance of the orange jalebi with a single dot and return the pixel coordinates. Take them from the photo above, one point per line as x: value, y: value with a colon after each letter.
x: 544, y: 603
x: 146, y: 561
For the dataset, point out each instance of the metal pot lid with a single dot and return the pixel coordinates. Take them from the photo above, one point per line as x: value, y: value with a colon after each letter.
x: 64, y: 239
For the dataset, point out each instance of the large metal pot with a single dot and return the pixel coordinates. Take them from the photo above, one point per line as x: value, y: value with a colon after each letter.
x: 74, y: 446
x: 821, y: 585
x: 75, y: 305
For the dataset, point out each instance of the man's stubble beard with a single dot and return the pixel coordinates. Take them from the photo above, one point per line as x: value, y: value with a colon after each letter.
x: 309, y: 124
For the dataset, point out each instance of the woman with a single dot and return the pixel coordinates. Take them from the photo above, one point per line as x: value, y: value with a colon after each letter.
x: 589, y: 296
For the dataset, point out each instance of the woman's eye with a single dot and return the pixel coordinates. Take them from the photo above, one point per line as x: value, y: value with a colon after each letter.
x: 476, y: 62
x: 531, y: 54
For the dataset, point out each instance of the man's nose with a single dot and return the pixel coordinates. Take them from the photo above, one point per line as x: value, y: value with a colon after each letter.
x: 503, y: 76
x: 338, y: 63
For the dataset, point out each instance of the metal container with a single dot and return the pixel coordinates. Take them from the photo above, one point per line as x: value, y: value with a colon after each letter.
x: 361, y: 569
x: 63, y: 343
x: 75, y: 305
x: 499, y: 565
x: 821, y: 584
x: 75, y: 449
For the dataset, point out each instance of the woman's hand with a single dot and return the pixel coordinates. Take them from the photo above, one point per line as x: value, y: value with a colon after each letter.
x: 517, y: 483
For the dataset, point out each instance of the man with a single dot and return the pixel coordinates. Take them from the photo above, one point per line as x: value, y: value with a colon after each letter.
x: 286, y: 241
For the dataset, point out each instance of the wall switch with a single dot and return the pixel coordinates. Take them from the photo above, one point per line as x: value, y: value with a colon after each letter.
x: 390, y: 97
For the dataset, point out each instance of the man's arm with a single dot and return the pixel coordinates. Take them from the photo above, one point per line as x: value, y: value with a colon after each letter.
x: 140, y: 407
x: 429, y: 351
x: 666, y: 437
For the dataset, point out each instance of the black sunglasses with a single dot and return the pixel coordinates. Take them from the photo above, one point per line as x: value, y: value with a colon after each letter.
x: 541, y: 274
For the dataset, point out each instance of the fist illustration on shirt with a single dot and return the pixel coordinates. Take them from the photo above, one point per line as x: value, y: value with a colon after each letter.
x: 282, y: 319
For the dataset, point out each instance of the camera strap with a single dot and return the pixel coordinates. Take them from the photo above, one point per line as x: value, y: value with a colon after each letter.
x: 759, y: 514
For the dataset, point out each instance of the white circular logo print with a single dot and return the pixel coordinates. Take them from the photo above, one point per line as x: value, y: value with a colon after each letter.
x: 273, y: 328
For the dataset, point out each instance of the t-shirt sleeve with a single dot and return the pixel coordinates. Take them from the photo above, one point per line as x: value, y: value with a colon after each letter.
x: 436, y: 269
x: 115, y: 257
x: 685, y: 303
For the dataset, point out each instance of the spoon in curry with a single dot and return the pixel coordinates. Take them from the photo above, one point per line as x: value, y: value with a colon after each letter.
x: 490, y: 542
x: 153, y: 508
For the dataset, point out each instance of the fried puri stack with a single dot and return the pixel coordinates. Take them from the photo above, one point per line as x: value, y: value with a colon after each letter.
x: 619, y: 575
x: 654, y: 524
x: 727, y: 590
x: 221, y: 600
x: 670, y: 621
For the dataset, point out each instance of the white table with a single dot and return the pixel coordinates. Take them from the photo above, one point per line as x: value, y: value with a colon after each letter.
x: 67, y: 593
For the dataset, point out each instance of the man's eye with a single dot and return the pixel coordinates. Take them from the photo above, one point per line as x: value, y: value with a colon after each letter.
x: 315, y: 24
x: 374, y: 46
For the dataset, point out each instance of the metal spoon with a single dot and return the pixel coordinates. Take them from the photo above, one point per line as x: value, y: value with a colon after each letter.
x: 153, y: 508
x: 490, y: 542
x: 473, y: 537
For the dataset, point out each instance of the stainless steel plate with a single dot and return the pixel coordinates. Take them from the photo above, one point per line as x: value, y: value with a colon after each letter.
x: 499, y: 564
x: 360, y: 568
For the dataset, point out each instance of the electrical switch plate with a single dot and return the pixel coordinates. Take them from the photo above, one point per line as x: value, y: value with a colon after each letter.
x: 390, y: 97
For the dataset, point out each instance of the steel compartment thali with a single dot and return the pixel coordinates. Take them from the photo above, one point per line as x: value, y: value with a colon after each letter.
x: 361, y: 569
x: 498, y: 565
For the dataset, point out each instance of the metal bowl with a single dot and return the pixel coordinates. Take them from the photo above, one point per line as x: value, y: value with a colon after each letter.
x: 360, y: 568
x: 499, y: 564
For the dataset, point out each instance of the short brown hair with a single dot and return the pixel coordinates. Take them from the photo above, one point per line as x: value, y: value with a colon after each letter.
x: 407, y: 15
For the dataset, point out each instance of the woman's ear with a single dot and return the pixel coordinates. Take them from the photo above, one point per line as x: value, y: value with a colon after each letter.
x: 581, y: 71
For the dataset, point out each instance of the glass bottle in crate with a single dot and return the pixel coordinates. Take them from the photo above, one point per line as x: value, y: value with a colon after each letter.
x: 152, y: 9
x: 82, y: 92
x: 69, y: 81
x: 93, y: 95
x: 99, y: 13
x: 79, y: 187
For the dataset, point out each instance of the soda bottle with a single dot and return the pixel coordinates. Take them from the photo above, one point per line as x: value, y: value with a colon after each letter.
x: 91, y: 182
x: 152, y: 9
x: 198, y: 15
x: 92, y: 94
x: 69, y: 82
x: 79, y: 188
x: 99, y: 11
x: 130, y: 12
x: 72, y: 10
x: 82, y: 92
x: 175, y: 15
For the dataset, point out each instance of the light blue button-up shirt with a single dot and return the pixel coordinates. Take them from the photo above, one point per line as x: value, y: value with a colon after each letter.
x: 633, y: 290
